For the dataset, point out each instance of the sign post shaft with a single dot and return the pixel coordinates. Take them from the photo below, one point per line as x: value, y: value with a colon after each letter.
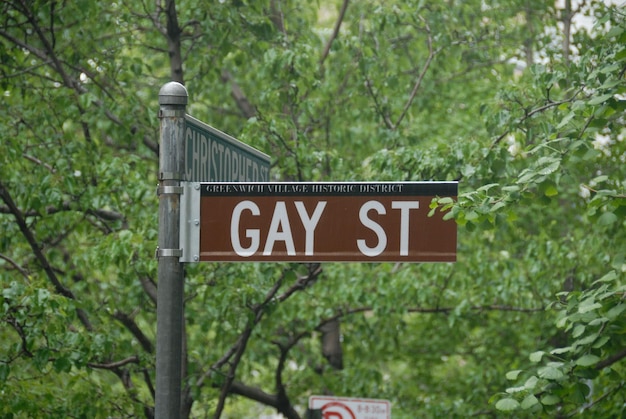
x: 173, y: 99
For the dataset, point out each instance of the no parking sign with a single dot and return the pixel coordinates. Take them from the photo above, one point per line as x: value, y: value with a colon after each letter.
x: 350, y: 408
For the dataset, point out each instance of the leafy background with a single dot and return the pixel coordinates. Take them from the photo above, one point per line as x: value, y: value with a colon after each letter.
x: 518, y: 100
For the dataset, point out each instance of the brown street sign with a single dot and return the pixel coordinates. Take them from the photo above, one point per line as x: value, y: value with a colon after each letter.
x: 325, y: 222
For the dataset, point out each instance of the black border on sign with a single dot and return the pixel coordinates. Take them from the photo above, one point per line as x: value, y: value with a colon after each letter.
x: 443, y: 189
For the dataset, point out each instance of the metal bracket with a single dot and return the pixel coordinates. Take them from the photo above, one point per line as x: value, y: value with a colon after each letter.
x: 190, y: 222
x: 170, y: 190
x: 168, y: 253
x: 170, y: 176
x: 165, y: 113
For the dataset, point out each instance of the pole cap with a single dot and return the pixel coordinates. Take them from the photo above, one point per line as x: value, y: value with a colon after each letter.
x: 173, y: 93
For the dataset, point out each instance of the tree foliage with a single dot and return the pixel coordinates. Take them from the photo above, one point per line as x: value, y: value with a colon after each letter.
x: 513, y: 99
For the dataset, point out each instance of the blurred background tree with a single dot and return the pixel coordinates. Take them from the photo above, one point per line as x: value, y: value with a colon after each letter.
x: 521, y: 100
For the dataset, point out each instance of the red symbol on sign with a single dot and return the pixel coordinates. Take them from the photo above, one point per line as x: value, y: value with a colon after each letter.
x: 337, y: 410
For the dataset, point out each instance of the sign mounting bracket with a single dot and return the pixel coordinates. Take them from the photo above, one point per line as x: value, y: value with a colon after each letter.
x: 190, y: 222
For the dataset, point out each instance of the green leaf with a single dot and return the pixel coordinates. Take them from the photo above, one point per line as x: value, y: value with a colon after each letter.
x: 485, y: 188
x: 585, y: 308
x: 62, y: 364
x: 550, y: 399
x: 600, y: 99
x: 536, y: 356
x: 290, y: 276
x: 579, y: 393
x: 511, y: 188
x: 598, y: 321
x: 41, y: 358
x: 609, y: 277
x: 512, y: 375
x: 607, y: 219
x: 551, y: 191
x: 599, y: 179
x: 602, y: 340
x: 497, y: 206
x: 587, y: 360
x: 579, y: 329
x: 615, y: 311
x: 559, y: 351
x: 587, y: 340
x: 529, y: 401
x: 5, y: 370
x: 526, y: 176
x: 550, y: 373
x: 531, y: 383
x: 550, y: 168
x: 507, y: 405
x: 566, y: 120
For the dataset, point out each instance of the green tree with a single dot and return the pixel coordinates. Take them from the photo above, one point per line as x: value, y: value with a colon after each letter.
x: 510, y: 98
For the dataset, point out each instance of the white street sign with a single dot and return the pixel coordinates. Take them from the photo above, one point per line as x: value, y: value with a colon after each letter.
x: 350, y: 408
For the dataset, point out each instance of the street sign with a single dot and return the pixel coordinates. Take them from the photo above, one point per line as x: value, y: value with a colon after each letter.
x: 322, y: 222
x: 350, y: 408
x: 212, y: 156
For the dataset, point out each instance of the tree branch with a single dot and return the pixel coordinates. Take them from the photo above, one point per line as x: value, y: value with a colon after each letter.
x: 611, y: 360
x: 173, y: 42
x: 20, y: 331
x: 283, y: 405
x: 567, y: 16
x: 242, y: 342
x: 335, y: 33
x: 315, y: 269
x: 241, y: 100
x: 48, y: 53
x: 39, y: 162
x: 133, y: 328
x: 16, y: 266
x: 103, y: 214
x: 528, y: 115
x: 48, y: 58
x: 41, y: 258
x: 149, y: 287
x: 420, y: 77
x: 253, y: 393
x: 114, y: 365
x: 234, y: 354
x: 125, y: 377
x: 276, y: 17
x: 377, y: 105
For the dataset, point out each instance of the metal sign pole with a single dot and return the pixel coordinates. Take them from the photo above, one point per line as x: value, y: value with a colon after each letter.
x: 173, y: 99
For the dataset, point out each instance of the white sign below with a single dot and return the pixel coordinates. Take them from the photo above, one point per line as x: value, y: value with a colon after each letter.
x: 350, y: 408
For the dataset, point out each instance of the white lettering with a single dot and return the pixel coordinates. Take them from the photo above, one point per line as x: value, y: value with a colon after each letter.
x: 203, y: 168
x: 374, y: 226
x: 252, y: 234
x: 213, y: 177
x: 255, y: 172
x: 226, y: 161
x: 404, y: 207
x: 310, y: 223
x: 188, y: 139
x: 280, y: 220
